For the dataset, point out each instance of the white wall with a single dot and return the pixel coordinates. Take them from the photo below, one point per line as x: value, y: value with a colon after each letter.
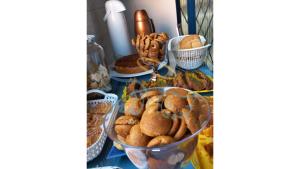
x: 96, y: 26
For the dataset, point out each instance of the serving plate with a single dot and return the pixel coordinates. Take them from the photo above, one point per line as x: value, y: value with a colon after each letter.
x: 114, y: 73
x: 95, y: 149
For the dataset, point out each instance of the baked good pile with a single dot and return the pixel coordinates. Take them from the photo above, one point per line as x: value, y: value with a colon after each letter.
x: 191, y: 41
x: 155, y: 118
x: 95, y: 116
x: 151, y: 46
x: 192, y: 80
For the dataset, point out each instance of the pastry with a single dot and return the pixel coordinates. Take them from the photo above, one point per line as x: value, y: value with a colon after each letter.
x: 181, y: 131
x: 150, y: 46
x: 122, y: 130
x: 190, y: 41
x: 175, y: 103
x: 132, y: 86
x: 101, y: 108
x: 131, y: 120
x: 150, y: 94
x: 191, y: 119
x: 134, y: 107
x: 199, y: 107
x: 154, y: 99
x: 198, y: 81
x: 136, y: 137
x: 177, y: 92
x: 123, y: 125
x: 160, y: 140
x: 194, y: 82
x: 166, y: 117
x: 179, y: 80
x: 93, y: 135
x: 98, y: 77
x: 175, y: 126
x: 154, y: 123
x: 94, y: 120
x: 153, y: 107
x: 128, y: 65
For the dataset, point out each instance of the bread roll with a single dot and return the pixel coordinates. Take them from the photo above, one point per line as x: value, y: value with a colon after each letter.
x: 189, y: 42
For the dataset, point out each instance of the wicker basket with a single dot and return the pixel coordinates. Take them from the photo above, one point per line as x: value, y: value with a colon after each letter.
x: 188, y: 58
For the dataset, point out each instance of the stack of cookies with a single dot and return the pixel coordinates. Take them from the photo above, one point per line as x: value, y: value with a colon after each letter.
x: 150, y: 46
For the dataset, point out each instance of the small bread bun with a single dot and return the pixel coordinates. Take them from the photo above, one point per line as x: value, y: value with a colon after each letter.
x: 123, y: 125
x: 150, y: 94
x: 174, y: 103
x: 160, y: 140
x: 154, y: 99
x: 122, y: 130
x: 177, y: 92
x: 154, y: 123
x: 134, y: 107
x: 136, y: 137
x: 196, y: 43
x: 189, y: 42
x: 131, y: 120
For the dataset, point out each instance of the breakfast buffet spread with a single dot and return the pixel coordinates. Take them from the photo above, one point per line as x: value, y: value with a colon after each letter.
x: 162, y: 121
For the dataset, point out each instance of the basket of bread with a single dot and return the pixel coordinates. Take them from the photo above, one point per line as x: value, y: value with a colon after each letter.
x: 99, y: 104
x: 158, y: 128
x: 189, y: 50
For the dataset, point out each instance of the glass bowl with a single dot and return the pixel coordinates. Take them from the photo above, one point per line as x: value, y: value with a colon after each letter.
x: 169, y: 156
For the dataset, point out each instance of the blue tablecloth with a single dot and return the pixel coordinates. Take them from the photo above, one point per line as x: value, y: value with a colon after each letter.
x: 105, y: 158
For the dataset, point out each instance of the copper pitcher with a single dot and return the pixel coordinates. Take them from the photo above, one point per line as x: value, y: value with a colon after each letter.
x: 142, y: 23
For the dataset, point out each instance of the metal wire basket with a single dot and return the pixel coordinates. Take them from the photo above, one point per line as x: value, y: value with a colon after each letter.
x: 188, y: 58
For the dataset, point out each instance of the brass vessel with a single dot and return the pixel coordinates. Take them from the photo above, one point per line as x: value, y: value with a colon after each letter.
x: 142, y: 23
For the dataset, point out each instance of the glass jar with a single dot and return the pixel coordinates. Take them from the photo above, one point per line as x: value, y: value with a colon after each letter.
x: 97, y: 72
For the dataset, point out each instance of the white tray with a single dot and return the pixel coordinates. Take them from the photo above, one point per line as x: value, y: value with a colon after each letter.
x: 113, y: 73
x: 95, y: 149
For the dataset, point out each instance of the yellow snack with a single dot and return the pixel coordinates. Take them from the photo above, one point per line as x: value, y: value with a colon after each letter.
x: 201, y: 158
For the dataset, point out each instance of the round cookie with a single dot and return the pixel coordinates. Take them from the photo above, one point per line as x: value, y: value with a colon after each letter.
x: 174, y: 103
x: 123, y: 125
x: 150, y: 94
x: 177, y: 92
x: 136, y: 137
x: 160, y: 140
x: 154, y: 123
x: 154, y: 99
x: 127, y: 120
x: 122, y: 130
x: 134, y: 107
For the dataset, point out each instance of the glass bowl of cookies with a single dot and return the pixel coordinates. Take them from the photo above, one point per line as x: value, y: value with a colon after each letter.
x: 158, y: 127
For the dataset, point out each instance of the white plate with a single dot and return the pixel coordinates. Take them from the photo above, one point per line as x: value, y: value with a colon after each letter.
x: 113, y: 73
